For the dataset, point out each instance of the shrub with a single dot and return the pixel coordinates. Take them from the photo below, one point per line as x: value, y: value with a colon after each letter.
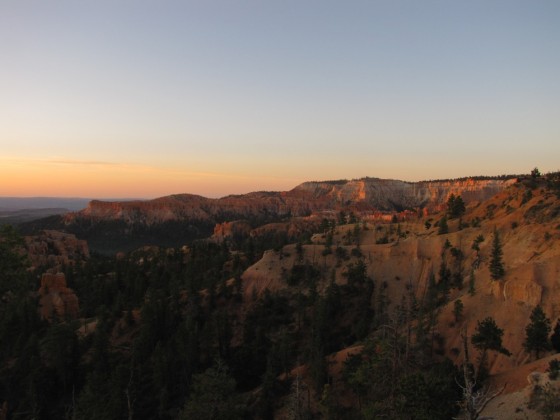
x: 553, y: 369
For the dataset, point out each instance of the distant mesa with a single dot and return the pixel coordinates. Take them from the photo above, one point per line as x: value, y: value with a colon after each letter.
x: 39, y: 203
x: 367, y: 194
x: 113, y: 226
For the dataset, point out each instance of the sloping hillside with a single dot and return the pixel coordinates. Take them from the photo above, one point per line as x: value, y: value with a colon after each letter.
x: 401, y: 259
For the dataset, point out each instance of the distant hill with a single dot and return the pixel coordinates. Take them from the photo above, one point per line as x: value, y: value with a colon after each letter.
x: 34, y: 203
x: 14, y: 217
x: 17, y: 210
x: 111, y: 226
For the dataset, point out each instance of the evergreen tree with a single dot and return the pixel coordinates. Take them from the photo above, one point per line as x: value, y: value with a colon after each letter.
x: 455, y: 206
x: 450, y: 204
x: 458, y: 207
x: 213, y: 396
x: 488, y: 336
x: 444, y: 284
x: 497, y: 270
x: 431, y: 293
x: 356, y: 273
x: 555, y: 337
x: 342, y: 218
x: 13, y: 264
x: 443, y: 227
x: 537, y: 332
x: 319, y: 340
x: 472, y: 289
x: 458, y: 310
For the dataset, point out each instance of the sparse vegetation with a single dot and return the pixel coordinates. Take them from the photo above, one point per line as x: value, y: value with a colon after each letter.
x: 546, y: 401
x: 553, y: 369
x: 490, y: 209
x: 527, y: 196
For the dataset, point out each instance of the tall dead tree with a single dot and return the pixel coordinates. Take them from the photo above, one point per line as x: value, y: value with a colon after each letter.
x: 475, y: 398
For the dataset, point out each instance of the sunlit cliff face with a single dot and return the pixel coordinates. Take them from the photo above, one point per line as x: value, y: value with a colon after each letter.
x: 383, y: 194
x: 369, y: 194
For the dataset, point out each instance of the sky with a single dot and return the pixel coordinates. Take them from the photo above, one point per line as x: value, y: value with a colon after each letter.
x: 145, y: 98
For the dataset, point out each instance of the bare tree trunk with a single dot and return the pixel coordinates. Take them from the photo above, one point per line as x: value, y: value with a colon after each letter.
x: 474, y: 402
x: 128, y: 392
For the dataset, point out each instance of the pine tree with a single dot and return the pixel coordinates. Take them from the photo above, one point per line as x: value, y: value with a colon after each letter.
x: 537, y: 332
x: 213, y: 395
x: 443, y: 227
x: 472, y: 289
x: 13, y: 264
x: 299, y: 252
x: 458, y: 310
x: 455, y: 206
x: 488, y: 336
x: 450, y: 204
x: 555, y: 337
x: 431, y: 294
x: 458, y: 207
x: 497, y: 270
x: 444, y: 284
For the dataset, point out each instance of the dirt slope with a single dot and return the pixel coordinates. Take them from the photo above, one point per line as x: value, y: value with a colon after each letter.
x: 528, y: 222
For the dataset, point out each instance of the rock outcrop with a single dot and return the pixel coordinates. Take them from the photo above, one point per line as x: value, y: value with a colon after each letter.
x: 227, y: 230
x: 56, y: 299
x: 241, y: 229
x: 55, y: 249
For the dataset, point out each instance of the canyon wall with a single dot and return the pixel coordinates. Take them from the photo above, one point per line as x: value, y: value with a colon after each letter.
x: 364, y: 195
x: 391, y: 195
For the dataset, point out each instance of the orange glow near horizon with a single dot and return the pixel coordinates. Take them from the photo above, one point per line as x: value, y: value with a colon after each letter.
x: 61, y: 178
x: 124, y: 100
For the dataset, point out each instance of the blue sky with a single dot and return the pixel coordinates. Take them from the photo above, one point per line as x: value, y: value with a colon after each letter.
x: 148, y: 98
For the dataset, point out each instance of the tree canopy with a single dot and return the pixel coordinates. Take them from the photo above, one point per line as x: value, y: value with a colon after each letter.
x: 455, y: 206
x: 537, y: 332
x: 497, y: 270
x: 488, y: 336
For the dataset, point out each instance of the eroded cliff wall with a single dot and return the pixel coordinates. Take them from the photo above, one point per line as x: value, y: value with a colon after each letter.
x: 368, y: 194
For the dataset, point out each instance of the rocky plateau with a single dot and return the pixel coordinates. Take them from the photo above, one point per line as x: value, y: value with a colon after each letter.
x: 364, y: 195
